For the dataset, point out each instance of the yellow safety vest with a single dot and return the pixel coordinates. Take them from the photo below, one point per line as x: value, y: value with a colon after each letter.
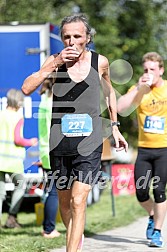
x: 11, y: 155
x: 44, y: 121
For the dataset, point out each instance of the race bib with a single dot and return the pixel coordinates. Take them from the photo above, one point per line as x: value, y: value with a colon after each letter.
x: 154, y: 124
x: 74, y: 125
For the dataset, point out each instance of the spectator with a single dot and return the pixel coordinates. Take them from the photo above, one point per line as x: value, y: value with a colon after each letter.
x: 51, y: 203
x: 12, y: 154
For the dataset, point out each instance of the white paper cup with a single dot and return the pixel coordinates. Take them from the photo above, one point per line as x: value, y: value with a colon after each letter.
x: 150, y: 81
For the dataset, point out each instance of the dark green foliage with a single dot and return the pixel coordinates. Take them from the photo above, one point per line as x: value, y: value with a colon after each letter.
x: 125, y: 29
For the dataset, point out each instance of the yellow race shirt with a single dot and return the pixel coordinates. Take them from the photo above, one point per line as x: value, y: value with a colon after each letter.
x: 152, y: 118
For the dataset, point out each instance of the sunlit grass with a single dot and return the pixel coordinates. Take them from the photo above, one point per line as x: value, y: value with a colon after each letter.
x: 99, y: 218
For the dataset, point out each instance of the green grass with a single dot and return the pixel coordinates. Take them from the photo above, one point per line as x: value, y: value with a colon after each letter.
x: 99, y: 218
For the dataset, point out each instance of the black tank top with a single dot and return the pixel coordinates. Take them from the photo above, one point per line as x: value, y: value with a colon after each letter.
x: 76, y: 98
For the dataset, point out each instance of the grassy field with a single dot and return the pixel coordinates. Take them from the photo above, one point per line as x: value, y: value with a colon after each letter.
x: 99, y: 218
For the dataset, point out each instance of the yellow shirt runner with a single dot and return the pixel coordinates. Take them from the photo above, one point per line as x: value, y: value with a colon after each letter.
x: 152, y: 118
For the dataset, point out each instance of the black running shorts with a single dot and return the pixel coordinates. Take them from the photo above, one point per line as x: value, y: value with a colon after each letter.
x: 67, y: 169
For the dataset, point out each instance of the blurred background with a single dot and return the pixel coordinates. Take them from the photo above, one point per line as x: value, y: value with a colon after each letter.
x: 125, y: 29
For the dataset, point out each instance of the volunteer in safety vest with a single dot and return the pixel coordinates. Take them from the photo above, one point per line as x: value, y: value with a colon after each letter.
x: 12, y: 153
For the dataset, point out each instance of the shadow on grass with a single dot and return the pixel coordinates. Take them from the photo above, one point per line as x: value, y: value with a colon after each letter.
x: 25, y: 230
x: 89, y: 233
x: 25, y: 225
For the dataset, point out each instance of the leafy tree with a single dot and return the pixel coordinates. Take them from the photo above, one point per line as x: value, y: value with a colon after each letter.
x: 125, y: 29
x: 26, y: 11
x: 139, y: 25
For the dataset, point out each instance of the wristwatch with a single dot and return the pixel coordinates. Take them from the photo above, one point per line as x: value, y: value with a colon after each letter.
x: 116, y: 123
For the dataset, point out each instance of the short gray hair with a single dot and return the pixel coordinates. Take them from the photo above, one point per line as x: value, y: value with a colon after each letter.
x: 78, y: 18
x: 15, y: 98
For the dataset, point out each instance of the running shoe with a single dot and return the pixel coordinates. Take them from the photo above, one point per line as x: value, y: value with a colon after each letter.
x: 156, y: 240
x: 80, y: 246
x: 150, y: 229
